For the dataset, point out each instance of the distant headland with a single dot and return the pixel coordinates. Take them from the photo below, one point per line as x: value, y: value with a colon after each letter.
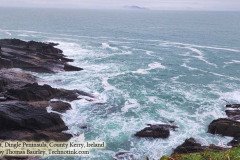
x: 135, y: 7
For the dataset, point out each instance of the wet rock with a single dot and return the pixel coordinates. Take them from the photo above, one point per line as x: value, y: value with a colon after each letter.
x: 167, y: 126
x: 2, y: 99
x: 53, y: 44
x: 18, y: 118
x: 233, y: 106
x: 83, y: 126
x: 58, y: 106
x: 124, y: 156
x: 192, y: 146
x: 68, y: 67
x: 156, y: 131
x: 23, y: 102
x: 189, y: 146
x: 225, y: 127
x: 5, y: 63
x: 33, y: 56
x: 13, y: 79
x: 232, y: 113
x: 20, y: 115
x: 35, y: 92
x: 37, y: 135
x: 21, y: 121
x: 235, y: 142
x: 19, y: 158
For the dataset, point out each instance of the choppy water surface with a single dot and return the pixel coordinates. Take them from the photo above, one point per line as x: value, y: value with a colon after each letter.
x: 143, y: 67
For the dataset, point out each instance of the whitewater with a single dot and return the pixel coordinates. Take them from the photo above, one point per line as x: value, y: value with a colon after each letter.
x: 139, y: 75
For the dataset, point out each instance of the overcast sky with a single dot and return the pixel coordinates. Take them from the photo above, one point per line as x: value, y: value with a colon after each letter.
x: 114, y: 4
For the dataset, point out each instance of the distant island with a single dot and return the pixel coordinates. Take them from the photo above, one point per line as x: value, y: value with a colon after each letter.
x: 135, y: 7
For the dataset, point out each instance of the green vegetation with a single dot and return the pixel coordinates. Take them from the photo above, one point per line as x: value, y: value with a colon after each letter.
x: 231, y: 154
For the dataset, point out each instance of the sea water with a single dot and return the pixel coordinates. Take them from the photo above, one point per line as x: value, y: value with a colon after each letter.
x: 143, y: 67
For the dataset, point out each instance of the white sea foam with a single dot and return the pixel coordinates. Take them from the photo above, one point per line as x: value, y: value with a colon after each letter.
x: 72, y: 49
x: 200, y: 55
x: 6, y: 32
x: 141, y: 71
x: 149, y: 53
x: 209, y: 72
x: 178, y: 44
x: 126, y: 47
x: 231, y: 62
x: 23, y: 35
x: 156, y: 65
x: 232, y: 97
x: 106, y: 85
x: 129, y: 104
x: 175, y: 78
x: 162, y: 43
x: 107, y: 46
x: 188, y: 67
x: 115, y: 128
x: 153, y: 99
x: 151, y: 66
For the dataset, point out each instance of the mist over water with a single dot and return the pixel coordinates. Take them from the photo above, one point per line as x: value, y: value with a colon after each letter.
x: 143, y: 67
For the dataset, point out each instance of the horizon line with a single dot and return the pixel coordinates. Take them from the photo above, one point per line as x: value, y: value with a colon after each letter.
x: 123, y: 8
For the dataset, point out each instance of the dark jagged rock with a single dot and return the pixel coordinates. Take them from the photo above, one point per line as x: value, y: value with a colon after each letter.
x: 58, y: 106
x: 235, y: 142
x: 225, y: 127
x: 31, y: 45
x: 36, y: 135
x: 33, y: 56
x: 23, y: 102
x: 18, y: 118
x: 167, y: 126
x: 68, y: 67
x: 19, y: 158
x: 156, y: 131
x: 232, y: 113
x: 13, y: 79
x: 233, y: 106
x: 124, y: 156
x: 189, y: 146
x: 228, y: 126
x: 35, y: 92
x: 192, y: 146
x: 19, y: 115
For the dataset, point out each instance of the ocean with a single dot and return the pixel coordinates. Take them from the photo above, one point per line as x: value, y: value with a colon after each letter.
x: 143, y: 67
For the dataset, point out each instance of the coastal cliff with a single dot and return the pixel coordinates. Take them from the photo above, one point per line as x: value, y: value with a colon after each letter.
x: 23, y: 102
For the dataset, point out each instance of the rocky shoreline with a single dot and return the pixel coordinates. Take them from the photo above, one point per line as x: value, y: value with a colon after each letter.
x: 230, y: 126
x: 23, y: 102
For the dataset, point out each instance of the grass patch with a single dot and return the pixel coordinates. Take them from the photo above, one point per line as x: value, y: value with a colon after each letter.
x: 231, y: 154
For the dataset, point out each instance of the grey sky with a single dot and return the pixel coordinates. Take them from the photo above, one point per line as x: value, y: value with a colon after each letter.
x: 114, y: 4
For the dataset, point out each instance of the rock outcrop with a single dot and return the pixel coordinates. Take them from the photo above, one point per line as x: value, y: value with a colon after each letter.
x: 124, y: 156
x: 235, y: 142
x: 192, y: 146
x: 14, y: 79
x: 23, y: 102
x: 228, y: 126
x: 225, y: 127
x: 36, y: 92
x: 156, y: 131
x: 33, y: 56
x: 58, y: 106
